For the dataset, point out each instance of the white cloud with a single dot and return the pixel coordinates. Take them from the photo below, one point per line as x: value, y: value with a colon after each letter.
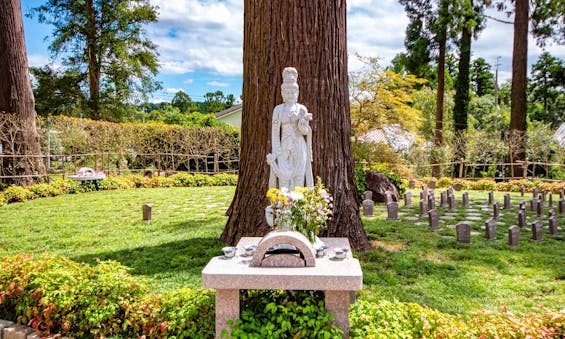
x: 188, y: 81
x: 172, y: 90
x: 217, y: 84
x: 199, y: 36
x: 157, y: 100
x: 40, y: 60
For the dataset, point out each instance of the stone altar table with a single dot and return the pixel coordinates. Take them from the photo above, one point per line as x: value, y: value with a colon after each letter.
x: 336, y: 277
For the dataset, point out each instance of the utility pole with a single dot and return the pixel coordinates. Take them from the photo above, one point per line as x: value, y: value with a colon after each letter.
x: 496, y: 81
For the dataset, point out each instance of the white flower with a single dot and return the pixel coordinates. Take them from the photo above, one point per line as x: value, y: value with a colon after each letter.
x: 295, y: 196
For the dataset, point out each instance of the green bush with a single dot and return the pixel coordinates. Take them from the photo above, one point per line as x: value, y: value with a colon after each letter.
x: 284, y: 314
x: 2, y: 199
x: 17, y: 194
x: 44, y: 190
x: 117, y: 183
x: 444, y: 182
x: 360, y: 177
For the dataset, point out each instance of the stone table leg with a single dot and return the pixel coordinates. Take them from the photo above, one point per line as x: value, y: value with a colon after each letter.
x: 227, y: 308
x: 337, y: 303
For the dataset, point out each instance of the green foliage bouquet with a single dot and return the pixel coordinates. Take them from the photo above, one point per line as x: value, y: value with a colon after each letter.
x: 306, y: 209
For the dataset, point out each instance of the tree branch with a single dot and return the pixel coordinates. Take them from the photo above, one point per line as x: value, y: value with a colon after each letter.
x: 499, y: 20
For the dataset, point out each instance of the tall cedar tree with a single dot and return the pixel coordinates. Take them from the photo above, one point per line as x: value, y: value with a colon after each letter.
x: 519, y: 86
x: 311, y: 36
x: 105, y: 40
x: 16, y: 96
x: 441, y: 40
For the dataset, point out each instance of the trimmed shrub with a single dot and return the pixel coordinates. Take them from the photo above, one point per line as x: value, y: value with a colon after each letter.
x: 444, y: 182
x: 2, y: 199
x: 284, y: 314
x: 17, y: 194
x: 44, y: 190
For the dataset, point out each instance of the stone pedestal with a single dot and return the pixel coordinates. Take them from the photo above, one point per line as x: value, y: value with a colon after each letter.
x: 337, y: 277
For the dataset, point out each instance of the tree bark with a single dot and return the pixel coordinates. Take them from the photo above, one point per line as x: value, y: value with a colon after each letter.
x: 441, y: 39
x: 93, y: 62
x: 16, y: 96
x: 461, y: 107
x: 311, y: 36
x: 519, y: 85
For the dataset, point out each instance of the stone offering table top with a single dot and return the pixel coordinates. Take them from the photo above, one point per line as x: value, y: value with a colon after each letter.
x: 336, y: 277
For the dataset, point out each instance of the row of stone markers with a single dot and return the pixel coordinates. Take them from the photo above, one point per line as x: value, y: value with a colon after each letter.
x: 463, y: 229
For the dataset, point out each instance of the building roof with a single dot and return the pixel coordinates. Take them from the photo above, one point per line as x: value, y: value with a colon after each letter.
x: 394, y: 135
x: 228, y: 111
x: 559, y: 136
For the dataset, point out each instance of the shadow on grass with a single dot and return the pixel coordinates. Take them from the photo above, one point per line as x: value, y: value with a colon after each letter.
x: 190, y: 255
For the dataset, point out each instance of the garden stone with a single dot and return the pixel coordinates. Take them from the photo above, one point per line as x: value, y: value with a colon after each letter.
x: 423, y: 207
x: 490, y: 198
x: 537, y: 231
x: 507, y: 201
x: 495, y: 211
x: 432, y: 184
x: 431, y: 202
x: 379, y: 184
x: 474, y: 218
x: 490, y: 229
x: 465, y: 198
x: 521, y: 218
x: 392, y: 211
x: 433, y: 220
x: 539, y: 207
x: 450, y: 202
x: 463, y: 230
x: 514, y: 236
x: 553, y: 226
x: 412, y: 184
x: 522, y: 190
x: 368, y: 195
x: 407, y: 199
x: 457, y: 186
x: 368, y: 208
x: 147, y: 212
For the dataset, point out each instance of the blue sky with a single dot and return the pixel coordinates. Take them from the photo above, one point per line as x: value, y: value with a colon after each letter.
x: 200, y: 42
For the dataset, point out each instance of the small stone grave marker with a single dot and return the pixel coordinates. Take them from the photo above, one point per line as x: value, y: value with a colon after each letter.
x: 147, y: 212
x: 533, y: 203
x: 522, y: 190
x: 495, y: 211
x: 535, y: 193
x: 423, y: 195
x: 490, y: 198
x: 432, y: 184
x: 507, y: 201
x: 433, y: 220
x: 465, y: 197
x: 392, y: 210
x: 521, y: 218
x: 514, y: 236
x: 543, y: 195
x: 431, y: 202
x: 539, y: 207
x: 522, y: 205
x: 490, y: 229
x: 449, y: 191
x: 451, y: 202
x: 388, y: 197
x: 408, y: 199
x: 550, y: 199
x: 537, y: 231
x: 368, y: 208
x: 411, y: 184
x: 553, y: 226
x: 463, y: 230
x: 443, y: 199
x: 562, y: 206
x: 368, y: 195
x: 562, y: 194
x: 457, y: 186
x: 551, y: 213
x: 423, y: 207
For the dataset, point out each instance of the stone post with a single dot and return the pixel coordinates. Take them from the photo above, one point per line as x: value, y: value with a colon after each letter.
x: 465, y: 198
x: 495, y: 211
x: 521, y: 218
x: 507, y: 201
x: 490, y: 229
x: 434, y: 220
x: 514, y: 236
x: 553, y: 226
x: 537, y: 231
x: 407, y: 199
x: 463, y: 232
x: 490, y: 197
x: 147, y: 212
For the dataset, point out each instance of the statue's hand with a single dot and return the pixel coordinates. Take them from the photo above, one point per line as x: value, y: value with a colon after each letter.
x: 271, y: 158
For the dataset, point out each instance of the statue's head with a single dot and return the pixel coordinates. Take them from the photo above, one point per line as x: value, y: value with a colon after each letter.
x: 289, y: 87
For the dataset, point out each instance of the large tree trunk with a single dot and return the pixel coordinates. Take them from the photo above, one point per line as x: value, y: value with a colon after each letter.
x: 311, y: 36
x: 16, y: 97
x: 93, y: 62
x: 519, y: 86
x: 441, y: 39
x: 461, y: 107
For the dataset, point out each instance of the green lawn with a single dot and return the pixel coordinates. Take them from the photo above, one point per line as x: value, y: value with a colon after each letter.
x: 409, y: 262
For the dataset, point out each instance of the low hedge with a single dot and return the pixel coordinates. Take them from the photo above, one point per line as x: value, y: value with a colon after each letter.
x: 60, y: 186
x: 491, y: 185
x: 57, y: 295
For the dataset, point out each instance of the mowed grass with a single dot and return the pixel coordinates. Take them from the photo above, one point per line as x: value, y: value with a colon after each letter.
x: 408, y: 263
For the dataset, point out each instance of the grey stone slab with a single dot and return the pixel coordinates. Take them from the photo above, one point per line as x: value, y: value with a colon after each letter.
x: 447, y: 217
x: 474, y: 218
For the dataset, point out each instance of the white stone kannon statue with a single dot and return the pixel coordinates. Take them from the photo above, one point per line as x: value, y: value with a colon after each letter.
x: 291, y: 157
